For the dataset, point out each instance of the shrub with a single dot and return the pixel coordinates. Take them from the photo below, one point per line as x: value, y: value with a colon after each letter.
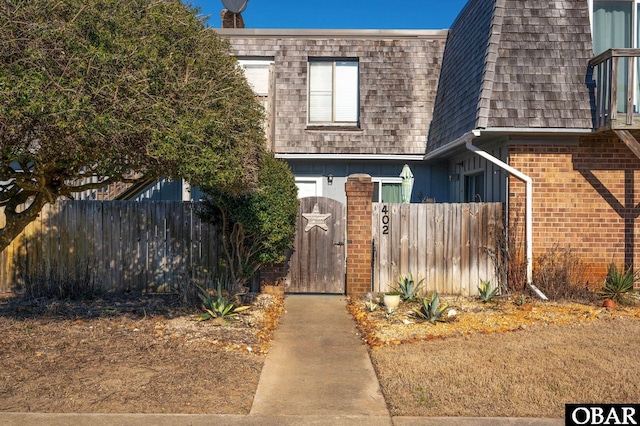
x: 51, y: 282
x: 508, y: 257
x: 619, y: 283
x: 218, y: 306
x: 558, y: 273
x: 258, y: 226
x: 511, y: 257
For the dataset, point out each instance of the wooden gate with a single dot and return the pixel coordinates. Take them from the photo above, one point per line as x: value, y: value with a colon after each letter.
x: 318, y: 261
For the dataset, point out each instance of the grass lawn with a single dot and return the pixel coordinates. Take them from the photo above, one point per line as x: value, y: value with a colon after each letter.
x: 499, y: 359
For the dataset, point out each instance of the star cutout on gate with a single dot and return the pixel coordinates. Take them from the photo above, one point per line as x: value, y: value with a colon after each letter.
x: 315, y: 218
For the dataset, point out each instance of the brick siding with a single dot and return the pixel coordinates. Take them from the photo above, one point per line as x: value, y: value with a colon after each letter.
x: 359, y: 189
x: 275, y: 273
x: 583, y: 198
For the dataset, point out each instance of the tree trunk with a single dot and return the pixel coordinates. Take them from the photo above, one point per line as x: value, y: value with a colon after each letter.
x: 16, y: 222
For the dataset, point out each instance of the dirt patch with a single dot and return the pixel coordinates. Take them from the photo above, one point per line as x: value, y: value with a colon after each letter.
x: 135, y: 354
x: 146, y: 354
x: 500, y: 359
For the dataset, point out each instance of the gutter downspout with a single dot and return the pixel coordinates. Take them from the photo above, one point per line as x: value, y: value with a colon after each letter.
x: 528, y: 205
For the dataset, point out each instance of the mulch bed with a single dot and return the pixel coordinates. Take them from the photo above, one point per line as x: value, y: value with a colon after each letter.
x: 505, y: 314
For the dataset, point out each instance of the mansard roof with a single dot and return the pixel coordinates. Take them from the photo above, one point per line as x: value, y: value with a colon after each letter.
x: 518, y: 64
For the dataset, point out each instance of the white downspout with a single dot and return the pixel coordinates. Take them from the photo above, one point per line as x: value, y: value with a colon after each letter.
x: 528, y: 206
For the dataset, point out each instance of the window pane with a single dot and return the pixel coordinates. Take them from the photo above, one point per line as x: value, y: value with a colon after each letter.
x: 612, y: 28
x: 611, y: 25
x: 307, y: 188
x: 320, y: 91
x: 320, y: 107
x: 346, y: 91
x: 391, y: 192
x: 258, y: 77
x: 376, y: 192
x: 474, y: 188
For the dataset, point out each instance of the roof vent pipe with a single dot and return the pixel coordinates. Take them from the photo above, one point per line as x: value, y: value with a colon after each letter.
x: 528, y: 206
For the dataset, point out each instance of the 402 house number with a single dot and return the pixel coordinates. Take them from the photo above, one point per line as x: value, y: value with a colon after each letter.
x: 385, y: 220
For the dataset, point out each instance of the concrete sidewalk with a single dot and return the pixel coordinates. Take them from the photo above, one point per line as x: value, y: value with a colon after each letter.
x: 318, y: 372
x: 41, y: 419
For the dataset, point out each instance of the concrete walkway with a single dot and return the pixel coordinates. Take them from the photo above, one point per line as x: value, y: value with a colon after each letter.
x: 318, y: 372
x: 318, y: 364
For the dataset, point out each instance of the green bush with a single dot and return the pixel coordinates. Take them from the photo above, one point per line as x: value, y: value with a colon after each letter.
x: 257, y: 227
x: 619, y: 283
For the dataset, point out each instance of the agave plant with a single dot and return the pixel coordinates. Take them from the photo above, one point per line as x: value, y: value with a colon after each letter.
x: 408, y: 287
x: 369, y: 303
x: 218, y: 306
x: 430, y: 309
x: 486, y: 293
x: 618, y: 283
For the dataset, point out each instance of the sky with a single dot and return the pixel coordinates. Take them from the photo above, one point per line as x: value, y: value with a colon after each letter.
x: 340, y: 14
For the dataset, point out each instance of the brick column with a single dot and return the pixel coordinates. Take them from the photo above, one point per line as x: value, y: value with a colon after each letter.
x: 359, y: 189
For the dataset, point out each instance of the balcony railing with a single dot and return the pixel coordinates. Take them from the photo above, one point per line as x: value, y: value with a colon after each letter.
x: 616, y: 94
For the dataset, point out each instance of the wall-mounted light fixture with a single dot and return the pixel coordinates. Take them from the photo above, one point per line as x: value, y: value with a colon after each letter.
x: 329, y: 179
x: 453, y: 177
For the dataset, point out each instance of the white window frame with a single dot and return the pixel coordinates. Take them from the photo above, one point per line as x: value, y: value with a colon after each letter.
x: 382, y: 181
x: 339, y: 94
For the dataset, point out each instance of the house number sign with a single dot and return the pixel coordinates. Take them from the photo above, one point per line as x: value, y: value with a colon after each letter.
x: 385, y: 220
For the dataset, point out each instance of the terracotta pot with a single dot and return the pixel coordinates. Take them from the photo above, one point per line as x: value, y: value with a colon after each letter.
x: 609, y: 304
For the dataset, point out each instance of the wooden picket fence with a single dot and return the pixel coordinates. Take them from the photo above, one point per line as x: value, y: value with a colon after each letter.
x: 119, y: 246
x: 452, y: 246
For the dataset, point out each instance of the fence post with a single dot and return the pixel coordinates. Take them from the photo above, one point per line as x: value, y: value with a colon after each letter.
x: 359, y: 189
